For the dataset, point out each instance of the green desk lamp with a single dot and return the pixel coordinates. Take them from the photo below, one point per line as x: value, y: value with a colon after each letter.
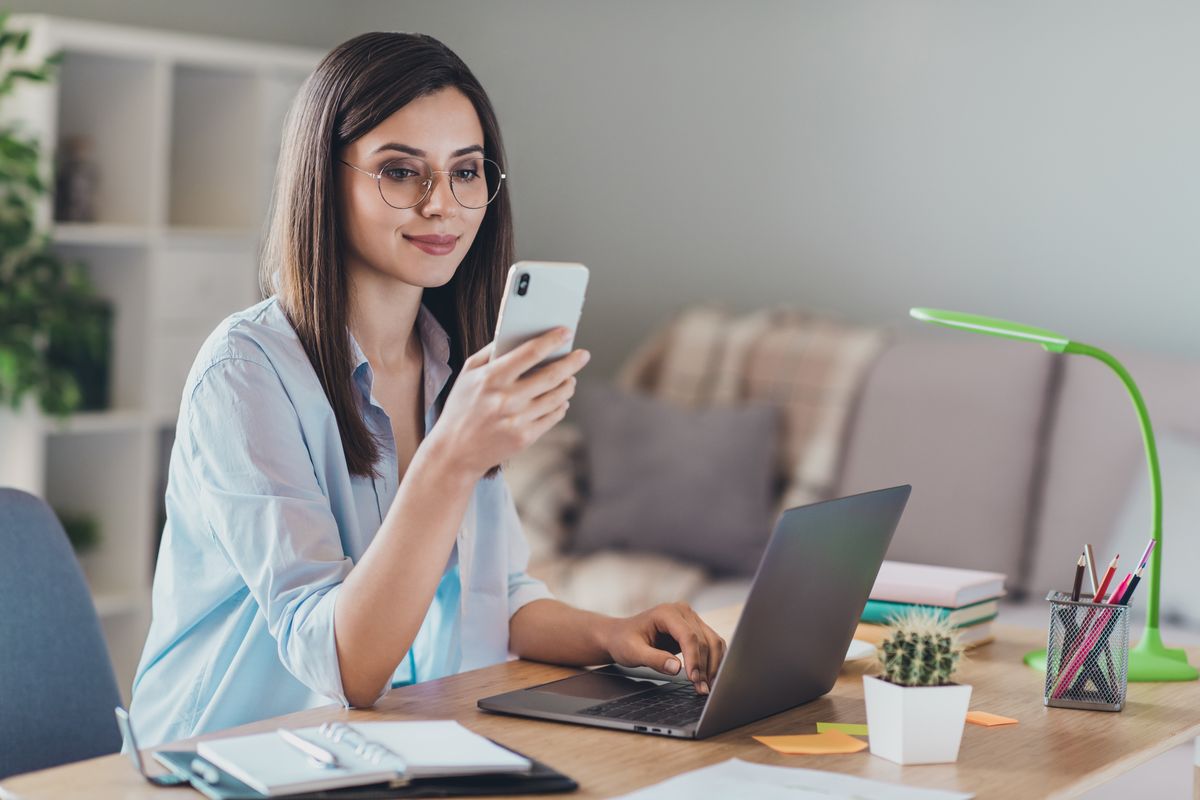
x: 1150, y: 659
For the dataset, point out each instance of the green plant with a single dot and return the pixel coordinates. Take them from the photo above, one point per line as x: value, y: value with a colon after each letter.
x: 50, y: 317
x: 920, y: 650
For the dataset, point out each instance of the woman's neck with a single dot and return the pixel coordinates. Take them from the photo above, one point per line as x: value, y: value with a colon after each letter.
x: 383, y: 319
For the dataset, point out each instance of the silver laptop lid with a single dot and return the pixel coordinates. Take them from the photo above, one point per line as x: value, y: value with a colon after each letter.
x: 808, y: 594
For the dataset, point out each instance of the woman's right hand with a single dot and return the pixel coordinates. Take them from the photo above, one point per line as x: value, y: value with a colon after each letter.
x: 495, y: 410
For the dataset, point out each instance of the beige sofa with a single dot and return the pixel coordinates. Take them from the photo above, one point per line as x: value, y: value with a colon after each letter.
x: 1016, y: 457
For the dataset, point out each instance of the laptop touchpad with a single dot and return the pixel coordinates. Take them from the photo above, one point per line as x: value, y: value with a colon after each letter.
x: 597, y: 686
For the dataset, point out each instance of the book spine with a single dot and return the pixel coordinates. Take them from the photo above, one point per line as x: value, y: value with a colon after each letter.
x: 881, y: 612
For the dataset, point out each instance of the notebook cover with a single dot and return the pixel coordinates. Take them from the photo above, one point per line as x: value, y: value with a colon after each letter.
x: 926, y: 584
x: 541, y: 779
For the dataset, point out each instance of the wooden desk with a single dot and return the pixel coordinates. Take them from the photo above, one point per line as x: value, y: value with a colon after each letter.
x: 1051, y: 753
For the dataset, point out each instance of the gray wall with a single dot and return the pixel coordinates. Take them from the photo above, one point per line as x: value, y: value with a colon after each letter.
x: 1026, y: 159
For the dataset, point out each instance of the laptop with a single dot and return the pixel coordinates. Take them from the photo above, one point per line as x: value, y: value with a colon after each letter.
x: 790, y: 641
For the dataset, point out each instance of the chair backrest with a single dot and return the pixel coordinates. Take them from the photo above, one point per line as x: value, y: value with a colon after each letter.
x: 57, y: 689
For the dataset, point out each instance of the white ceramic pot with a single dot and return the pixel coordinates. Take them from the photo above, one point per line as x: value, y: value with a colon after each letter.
x: 915, y: 724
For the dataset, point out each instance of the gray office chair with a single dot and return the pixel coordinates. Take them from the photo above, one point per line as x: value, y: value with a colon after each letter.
x: 57, y: 689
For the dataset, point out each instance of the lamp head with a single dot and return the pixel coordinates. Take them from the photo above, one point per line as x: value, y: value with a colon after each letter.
x: 1054, y: 342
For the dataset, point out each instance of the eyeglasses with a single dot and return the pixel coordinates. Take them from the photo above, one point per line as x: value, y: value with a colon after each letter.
x: 406, y: 182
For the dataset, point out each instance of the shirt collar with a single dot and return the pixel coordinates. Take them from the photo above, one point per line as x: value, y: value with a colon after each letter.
x: 435, y: 348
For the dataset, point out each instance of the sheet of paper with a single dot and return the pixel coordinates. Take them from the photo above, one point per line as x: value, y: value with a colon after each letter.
x: 737, y: 779
x: 441, y: 747
x: 845, y: 727
x: 812, y: 744
x: 988, y: 720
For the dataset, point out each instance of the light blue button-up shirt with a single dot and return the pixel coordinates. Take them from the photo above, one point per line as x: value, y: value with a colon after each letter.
x: 264, y: 522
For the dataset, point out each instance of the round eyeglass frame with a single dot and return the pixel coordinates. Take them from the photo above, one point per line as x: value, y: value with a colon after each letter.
x: 433, y: 173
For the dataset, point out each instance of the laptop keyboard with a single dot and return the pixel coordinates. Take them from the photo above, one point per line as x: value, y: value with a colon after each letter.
x: 675, y: 705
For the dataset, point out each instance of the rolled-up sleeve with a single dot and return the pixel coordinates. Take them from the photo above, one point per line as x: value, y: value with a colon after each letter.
x: 522, y: 587
x: 267, y: 513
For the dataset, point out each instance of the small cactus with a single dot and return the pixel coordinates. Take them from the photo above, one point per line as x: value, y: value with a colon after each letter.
x: 920, y: 650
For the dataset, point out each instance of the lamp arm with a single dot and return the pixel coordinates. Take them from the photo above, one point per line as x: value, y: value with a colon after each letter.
x: 1151, y: 460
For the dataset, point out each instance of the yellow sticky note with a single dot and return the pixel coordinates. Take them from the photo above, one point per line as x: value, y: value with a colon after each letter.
x: 845, y: 727
x: 988, y: 720
x: 814, y: 744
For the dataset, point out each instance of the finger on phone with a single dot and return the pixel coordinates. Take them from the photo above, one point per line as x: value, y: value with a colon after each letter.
x: 549, y: 420
x: 550, y: 401
x: 480, y: 356
x: 529, y: 354
x: 537, y: 383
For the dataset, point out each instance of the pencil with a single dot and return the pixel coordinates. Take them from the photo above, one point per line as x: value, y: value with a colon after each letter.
x: 1119, y: 592
x: 1093, y: 575
x: 1132, y: 585
x: 1146, y: 555
x: 1078, y: 578
x: 1108, y: 576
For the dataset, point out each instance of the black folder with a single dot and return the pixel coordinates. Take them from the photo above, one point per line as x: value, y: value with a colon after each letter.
x: 541, y: 779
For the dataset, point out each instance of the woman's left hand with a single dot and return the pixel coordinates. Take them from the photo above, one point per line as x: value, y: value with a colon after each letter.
x: 651, y: 639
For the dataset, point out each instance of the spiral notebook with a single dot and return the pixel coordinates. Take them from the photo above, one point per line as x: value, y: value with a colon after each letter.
x: 368, y: 753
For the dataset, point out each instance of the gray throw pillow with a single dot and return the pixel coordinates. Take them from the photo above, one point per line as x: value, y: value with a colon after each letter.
x: 692, y: 484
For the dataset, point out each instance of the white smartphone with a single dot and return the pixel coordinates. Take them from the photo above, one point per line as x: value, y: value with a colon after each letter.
x: 539, y: 296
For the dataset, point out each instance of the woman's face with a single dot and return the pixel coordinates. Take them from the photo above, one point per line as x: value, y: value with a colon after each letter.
x: 422, y: 245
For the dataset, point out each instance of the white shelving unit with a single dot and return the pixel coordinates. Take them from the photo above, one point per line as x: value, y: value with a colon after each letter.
x: 185, y: 133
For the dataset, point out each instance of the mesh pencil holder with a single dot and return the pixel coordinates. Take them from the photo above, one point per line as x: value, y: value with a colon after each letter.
x: 1087, y: 654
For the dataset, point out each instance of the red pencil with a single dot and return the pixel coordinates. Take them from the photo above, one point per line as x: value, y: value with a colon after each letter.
x: 1108, y: 576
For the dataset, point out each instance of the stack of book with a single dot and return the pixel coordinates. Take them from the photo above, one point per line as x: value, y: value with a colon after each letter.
x: 969, y: 599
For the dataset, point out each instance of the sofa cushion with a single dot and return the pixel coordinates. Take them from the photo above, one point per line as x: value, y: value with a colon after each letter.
x: 546, y: 483
x: 957, y: 416
x: 808, y: 365
x: 694, y: 484
x: 1096, y: 452
x: 620, y: 583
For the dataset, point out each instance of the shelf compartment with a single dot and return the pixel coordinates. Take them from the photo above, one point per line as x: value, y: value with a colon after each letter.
x: 212, y: 163
x: 107, y: 476
x: 120, y: 274
x: 278, y: 89
x: 171, y: 357
x: 199, y: 281
x: 111, y: 102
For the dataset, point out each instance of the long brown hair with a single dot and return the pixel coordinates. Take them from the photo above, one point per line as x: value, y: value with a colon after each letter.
x: 358, y: 85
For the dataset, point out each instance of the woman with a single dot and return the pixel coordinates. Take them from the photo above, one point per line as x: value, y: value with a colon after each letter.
x: 325, y: 539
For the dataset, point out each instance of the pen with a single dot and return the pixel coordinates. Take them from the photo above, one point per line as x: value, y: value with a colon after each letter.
x: 207, y: 772
x: 1078, y: 578
x: 310, y: 749
x: 1108, y: 576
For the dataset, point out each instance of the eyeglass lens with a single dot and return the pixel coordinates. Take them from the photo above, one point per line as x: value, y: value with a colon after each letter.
x: 474, y: 180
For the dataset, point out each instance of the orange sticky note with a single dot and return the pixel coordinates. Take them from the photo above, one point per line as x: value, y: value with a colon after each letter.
x: 988, y: 720
x: 814, y: 744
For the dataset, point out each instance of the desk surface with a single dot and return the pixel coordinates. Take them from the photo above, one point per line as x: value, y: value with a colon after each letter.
x: 1051, y: 753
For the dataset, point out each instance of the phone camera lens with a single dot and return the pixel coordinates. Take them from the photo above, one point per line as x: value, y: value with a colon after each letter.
x: 523, y: 284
